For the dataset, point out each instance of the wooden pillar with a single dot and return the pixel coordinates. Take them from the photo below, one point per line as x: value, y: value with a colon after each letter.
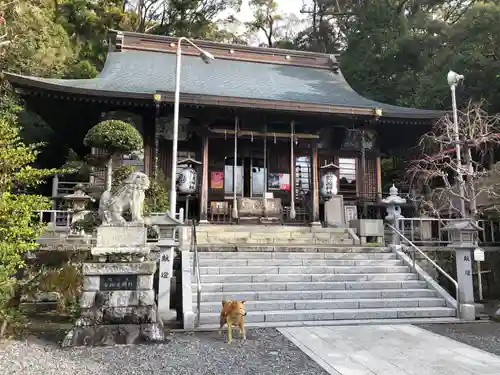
x: 364, y: 184
x: 315, y: 186
x: 379, y: 177
x: 204, y: 181
x: 156, y: 142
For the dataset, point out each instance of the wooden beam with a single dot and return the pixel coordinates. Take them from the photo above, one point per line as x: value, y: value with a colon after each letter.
x: 249, y: 133
x: 379, y: 177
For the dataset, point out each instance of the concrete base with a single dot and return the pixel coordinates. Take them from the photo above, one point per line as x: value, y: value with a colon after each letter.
x: 118, y: 334
x: 167, y: 316
x: 315, y: 224
x: 189, y: 319
x: 467, y: 312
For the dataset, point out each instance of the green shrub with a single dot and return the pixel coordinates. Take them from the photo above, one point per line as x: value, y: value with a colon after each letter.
x: 114, y: 136
x: 157, y: 195
x: 89, y: 222
x: 67, y: 282
x: 120, y: 174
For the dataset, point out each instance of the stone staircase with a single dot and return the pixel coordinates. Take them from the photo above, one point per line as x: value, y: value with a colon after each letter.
x: 267, y: 238
x: 294, y: 288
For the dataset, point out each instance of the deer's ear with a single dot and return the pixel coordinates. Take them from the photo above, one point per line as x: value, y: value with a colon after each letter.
x: 243, y: 301
x: 224, y: 302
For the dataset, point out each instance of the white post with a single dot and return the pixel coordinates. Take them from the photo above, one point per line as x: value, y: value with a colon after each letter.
x: 55, y: 193
x: 235, y: 207
x: 175, y: 135
x: 453, y: 80
x: 265, y: 160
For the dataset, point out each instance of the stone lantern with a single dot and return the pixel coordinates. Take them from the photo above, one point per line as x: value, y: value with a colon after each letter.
x: 463, y: 236
x: 462, y: 233
x: 78, y: 203
x: 393, y: 209
x: 166, y: 227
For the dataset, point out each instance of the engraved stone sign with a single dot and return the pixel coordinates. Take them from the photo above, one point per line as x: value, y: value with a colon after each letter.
x: 118, y: 282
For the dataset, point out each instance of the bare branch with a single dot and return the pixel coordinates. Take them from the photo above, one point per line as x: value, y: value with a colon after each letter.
x: 437, y: 168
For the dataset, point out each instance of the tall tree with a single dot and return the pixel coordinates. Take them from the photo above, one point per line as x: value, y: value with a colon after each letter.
x: 472, y: 48
x: 191, y: 18
x: 19, y: 229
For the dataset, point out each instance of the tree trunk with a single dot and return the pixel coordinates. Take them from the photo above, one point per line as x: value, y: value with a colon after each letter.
x: 109, y: 173
x: 3, y: 329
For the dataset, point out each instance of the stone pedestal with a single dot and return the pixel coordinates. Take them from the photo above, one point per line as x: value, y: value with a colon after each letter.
x: 118, y: 306
x: 463, y: 234
x: 129, y: 239
x: 165, y: 312
x: 465, y: 285
x: 369, y: 229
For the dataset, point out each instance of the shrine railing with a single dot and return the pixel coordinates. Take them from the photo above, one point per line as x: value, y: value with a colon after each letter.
x: 428, y: 231
x: 60, y: 220
x: 56, y: 219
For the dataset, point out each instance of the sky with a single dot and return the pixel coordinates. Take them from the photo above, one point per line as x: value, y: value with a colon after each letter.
x: 285, y: 7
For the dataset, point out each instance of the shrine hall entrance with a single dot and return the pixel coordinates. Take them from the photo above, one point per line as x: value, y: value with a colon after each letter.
x: 250, y: 177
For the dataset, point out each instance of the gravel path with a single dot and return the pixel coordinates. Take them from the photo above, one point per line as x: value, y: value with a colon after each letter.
x: 265, y: 352
x: 485, y: 336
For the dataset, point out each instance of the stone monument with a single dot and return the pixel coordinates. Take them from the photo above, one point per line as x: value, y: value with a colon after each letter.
x: 334, y: 215
x: 118, y: 301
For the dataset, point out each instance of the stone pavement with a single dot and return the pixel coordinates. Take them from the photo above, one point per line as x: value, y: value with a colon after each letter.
x: 390, y: 350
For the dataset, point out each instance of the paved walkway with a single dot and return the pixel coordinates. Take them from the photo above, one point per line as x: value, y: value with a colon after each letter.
x: 390, y: 350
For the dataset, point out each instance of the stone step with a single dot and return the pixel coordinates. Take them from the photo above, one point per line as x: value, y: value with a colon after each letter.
x: 263, y: 241
x: 211, y: 307
x: 266, y: 252
x: 273, y: 234
x: 274, y: 270
x: 410, y: 292
x: 336, y: 314
x: 265, y: 228
x: 285, y: 278
x: 297, y: 262
x: 297, y: 286
x: 344, y: 322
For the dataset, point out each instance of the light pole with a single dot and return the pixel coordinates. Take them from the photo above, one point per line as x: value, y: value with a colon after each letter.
x: 453, y: 80
x: 206, y: 57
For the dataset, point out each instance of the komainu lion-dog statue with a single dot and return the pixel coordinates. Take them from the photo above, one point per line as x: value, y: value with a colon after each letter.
x: 128, y: 196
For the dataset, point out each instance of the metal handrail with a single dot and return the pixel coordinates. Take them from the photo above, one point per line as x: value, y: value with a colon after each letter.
x: 443, y: 272
x: 196, y: 272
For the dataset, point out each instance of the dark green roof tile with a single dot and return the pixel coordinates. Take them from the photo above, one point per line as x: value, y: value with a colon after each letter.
x: 143, y: 72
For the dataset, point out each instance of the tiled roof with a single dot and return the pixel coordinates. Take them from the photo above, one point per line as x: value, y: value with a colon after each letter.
x: 145, y: 72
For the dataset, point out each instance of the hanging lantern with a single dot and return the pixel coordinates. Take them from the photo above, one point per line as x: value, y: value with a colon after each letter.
x: 187, y: 179
x: 329, y: 181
